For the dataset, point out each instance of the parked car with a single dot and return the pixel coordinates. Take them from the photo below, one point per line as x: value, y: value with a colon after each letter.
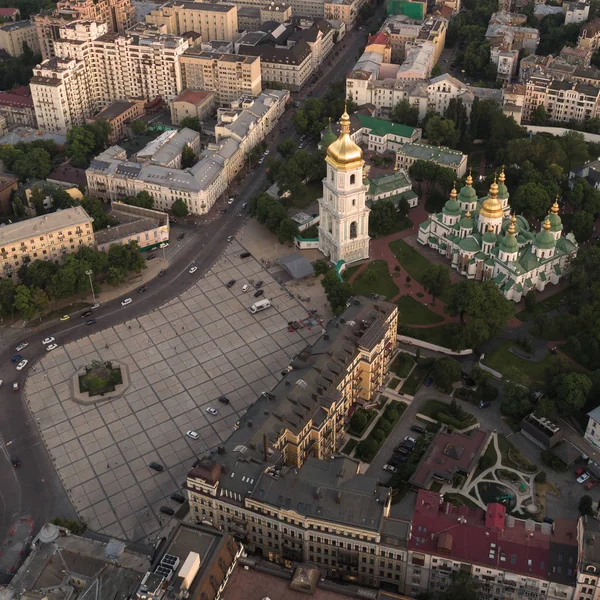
x: 412, y: 440
x: 583, y: 477
x: 229, y: 238
x: 418, y: 428
x: 16, y: 386
x: 21, y: 346
x: 258, y: 293
x: 402, y: 451
x: 390, y: 468
x: 151, y: 257
x: 177, y: 497
x: 212, y: 411
x: 164, y: 245
x: 230, y: 283
x: 156, y: 467
x: 126, y: 302
x: 231, y: 201
x: 162, y: 272
x: 428, y: 381
x: 94, y: 306
x: 258, y: 284
x: 16, y: 463
x: 47, y: 341
x: 167, y: 510
x: 17, y: 357
x: 51, y: 347
x: 483, y: 404
x: 91, y: 322
x: 245, y: 254
x: 65, y: 318
x: 87, y: 313
x: 193, y: 434
x: 591, y: 484
x: 192, y: 270
x: 143, y: 289
x: 579, y: 471
x: 180, y: 236
x: 223, y: 399
x: 245, y: 287
x: 22, y: 365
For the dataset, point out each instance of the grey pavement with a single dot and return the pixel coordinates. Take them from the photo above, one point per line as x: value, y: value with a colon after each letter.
x: 181, y: 358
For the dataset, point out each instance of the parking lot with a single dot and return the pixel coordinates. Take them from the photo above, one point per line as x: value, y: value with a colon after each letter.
x: 180, y: 358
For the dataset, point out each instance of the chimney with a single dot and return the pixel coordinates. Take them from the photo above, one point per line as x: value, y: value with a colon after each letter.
x: 266, y: 446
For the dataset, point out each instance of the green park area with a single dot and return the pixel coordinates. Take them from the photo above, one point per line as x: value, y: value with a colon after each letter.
x: 501, y: 359
x: 413, y: 312
x: 375, y: 279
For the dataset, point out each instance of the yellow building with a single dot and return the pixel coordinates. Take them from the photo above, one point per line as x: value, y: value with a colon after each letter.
x: 14, y: 35
x: 50, y: 237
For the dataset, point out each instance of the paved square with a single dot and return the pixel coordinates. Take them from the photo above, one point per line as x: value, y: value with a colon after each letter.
x: 181, y: 358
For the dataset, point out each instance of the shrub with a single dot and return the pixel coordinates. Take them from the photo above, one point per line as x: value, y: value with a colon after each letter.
x: 359, y: 420
x: 385, y: 425
x: 378, y: 434
x: 486, y: 462
x: 391, y: 414
x: 551, y: 460
x: 397, y: 268
x: 320, y: 267
x: 76, y: 527
x: 367, y: 449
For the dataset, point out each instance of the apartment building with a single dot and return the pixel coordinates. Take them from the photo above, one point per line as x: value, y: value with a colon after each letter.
x: 288, y: 67
x: 577, y: 12
x: 50, y: 237
x: 14, y: 36
x: 112, y: 176
x: 589, y: 35
x: 213, y: 21
x: 228, y: 75
x: 193, y: 103
x: 588, y: 572
x: 564, y: 101
x: 404, y: 34
x: 345, y: 11
x: 300, y: 8
x: 16, y: 106
x: 318, y: 34
x: 119, y: 16
x: 563, y: 67
x: 118, y: 115
x: 508, y: 558
x: 93, y: 68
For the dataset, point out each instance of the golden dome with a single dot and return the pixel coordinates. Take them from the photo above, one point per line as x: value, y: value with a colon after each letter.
x: 469, y: 180
x: 468, y: 215
x: 502, y: 176
x: 547, y: 224
x: 344, y: 153
x: 492, y: 207
x: 453, y: 193
x: 555, y: 208
x: 511, y: 228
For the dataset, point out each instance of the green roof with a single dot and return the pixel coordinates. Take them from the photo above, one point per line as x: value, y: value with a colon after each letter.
x: 466, y: 222
x: 387, y: 183
x: 328, y: 137
x: 438, y: 154
x: 489, y: 237
x: 509, y: 244
x: 380, y: 127
x: 545, y: 240
x: 480, y: 256
x: 470, y: 244
x: 467, y: 194
x: 557, y: 269
x: 543, y: 276
x: 555, y: 222
x: 451, y: 208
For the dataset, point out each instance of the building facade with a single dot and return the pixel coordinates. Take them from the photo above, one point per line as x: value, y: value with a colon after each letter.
x: 14, y: 36
x: 483, y: 242
x: 213, y: 21
x: 16, y: 106
x: 408, y: 154
x: 197, y: 104
x: 118, y: 115
x: 50, y: 237
x: 343, y: 212
x: 228, y: 75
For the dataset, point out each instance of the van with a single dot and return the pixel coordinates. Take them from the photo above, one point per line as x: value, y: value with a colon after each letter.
x: 260, y: 305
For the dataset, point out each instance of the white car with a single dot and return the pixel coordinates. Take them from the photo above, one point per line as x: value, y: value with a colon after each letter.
x: 266, y: 152
x: 230, y: 238
x: 164, y: 245
x: 23, y: 364
x: 412, y: 440
x: 390, y: 468
x: 126, y: 302
x: 48, y: 341
x: 580, y: 479
x: 212, y: 411
x: 245, y: 287
x: 193, y: 270
x: 21, y: 346
x: 51, y: 347
x: 193, y: 434
x: 261, y: 160
x: 93, y: 307
x: 231, y: 201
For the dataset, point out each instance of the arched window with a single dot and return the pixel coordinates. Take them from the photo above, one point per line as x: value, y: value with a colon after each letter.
x: 331, y: 174
x: 353, y: 230
x: 353, y: 201
x: 352, y: 179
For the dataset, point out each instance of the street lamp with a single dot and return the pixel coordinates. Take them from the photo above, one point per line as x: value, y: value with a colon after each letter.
x: 89, y: 274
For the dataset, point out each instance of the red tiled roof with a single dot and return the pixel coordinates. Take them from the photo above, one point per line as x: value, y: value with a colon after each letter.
x: 450, y: 453
x: 20, y: 96
x: 8, y: 12
x: 589, y: 30
x: 193, y: 96
x: 485, y: 538
x: 378, y: 38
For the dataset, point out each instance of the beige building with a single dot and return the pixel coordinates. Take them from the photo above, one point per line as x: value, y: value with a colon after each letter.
x: 50, y: 237
x: 93, y: 69
x: 16, y: 106
x: 193, y: 103
x: 589, y: 35
x: 118, y: 115
x: 279, y: 12
x: 345, y: 11
x: 216, y: 21
x: 300, y: 8
x: 14, y: 35
x: 408, y: 154
x: 118, y: 15
x: 228, y: 75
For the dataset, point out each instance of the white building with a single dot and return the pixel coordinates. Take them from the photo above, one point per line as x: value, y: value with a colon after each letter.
x: 592, y: 432
x: 577, y: 12
x: 343, y: 213
x: 155, y: 169
x: 483, y: 242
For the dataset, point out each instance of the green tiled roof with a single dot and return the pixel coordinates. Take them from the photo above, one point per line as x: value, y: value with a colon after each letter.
x: 543, y: 276
x: 528, y: 260
x: 499, y: 278
x: 425, y: 224
x: 470, y: 244
x: 433, y: 240
x: 438, y: 154
x: 489, y: 262
x: 480, y: 256
x: 519, y: 287
x: 380, y: 127
x: 557, y: 269
x: 387, y: 183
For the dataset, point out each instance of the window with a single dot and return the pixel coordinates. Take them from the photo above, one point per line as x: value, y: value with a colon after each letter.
x: 353, y: 202
x: 352, y: 179
x: 353, y: 230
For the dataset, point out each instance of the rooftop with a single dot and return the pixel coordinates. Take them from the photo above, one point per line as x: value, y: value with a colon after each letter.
x: 22, y: 230
x: 381, y: 127
x: 295, y: 55
x: 448, y: 454
x: 132, y: 220
x: 194, y: 97
x: 167, y: 146
x: 16, y: 25
x: 114, y: 110
x: 439, y: 154
x: 388, y: 183
x: 68, y: 174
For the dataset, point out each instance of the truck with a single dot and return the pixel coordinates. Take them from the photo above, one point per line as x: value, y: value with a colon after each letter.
x: 260, y: 305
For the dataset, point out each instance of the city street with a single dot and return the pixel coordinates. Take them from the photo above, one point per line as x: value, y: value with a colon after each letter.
x: 34, y: 490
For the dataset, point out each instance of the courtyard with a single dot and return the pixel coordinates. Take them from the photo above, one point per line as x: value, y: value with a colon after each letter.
x: 180, y: 359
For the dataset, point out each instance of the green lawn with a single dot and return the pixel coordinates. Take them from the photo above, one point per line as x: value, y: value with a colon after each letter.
x: 442, y: 335
x: 380, y: 431
x: 307, y: 195
x: 512, y: 457
x: 412, y: 261
x: 501, y: 359
x: 557, y: 329
x: 400, y: 224
x: 416, y: 378
x: 394, y: 383
x: 375, y: 279
x: 402, y: 365
x: 349, y: 447
x: 412, y: 312
x: 348, y: 272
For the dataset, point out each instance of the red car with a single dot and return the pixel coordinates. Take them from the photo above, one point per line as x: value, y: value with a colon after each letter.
x: 590, y: 485
x: 580, y: 472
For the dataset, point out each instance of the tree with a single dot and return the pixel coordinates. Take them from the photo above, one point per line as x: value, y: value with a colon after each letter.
x: 37, y: 200
x: 575, y: 147
x: 139, y: 126
x: 188, y: 157
x: 582, y: 226
x: 586, y: 506
x: 141, y: 199
x: 463, y: 587
x: 95, y: 208
x: 24, y: 302
x: 287, y: 148
x: 446, y: 371
x: 441, y: 132
x: 515, y: 402
x: 405, y: 113
x: 287, y: 231
x: 539, y: 115
x: 436, y: 280
x: 383, y: 218
x: 572, y: 390
x: 359, y: 420
x: 191, y: 123
x: 179, y: 208
x: 338, y: 292
x: 531, y: 199
x: 436, y: 71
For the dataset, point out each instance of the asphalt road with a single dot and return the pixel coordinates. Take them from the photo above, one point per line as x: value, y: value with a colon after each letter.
x: 34, y: 490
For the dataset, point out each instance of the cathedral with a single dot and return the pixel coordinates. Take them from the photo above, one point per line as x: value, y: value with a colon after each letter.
x: 343, y: 212
x: 483, y: 241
